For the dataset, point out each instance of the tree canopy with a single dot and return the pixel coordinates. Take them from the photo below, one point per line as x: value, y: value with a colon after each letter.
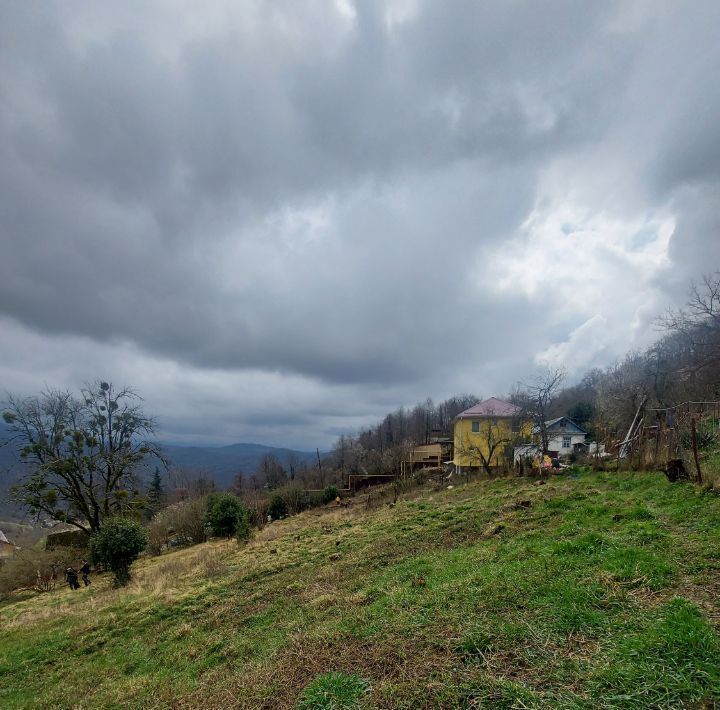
x: 82, y: 454
x: 226, y: 514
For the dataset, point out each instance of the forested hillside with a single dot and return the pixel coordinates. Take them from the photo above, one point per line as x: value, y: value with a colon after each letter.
x: 219, y: 464
x: 223, y: 463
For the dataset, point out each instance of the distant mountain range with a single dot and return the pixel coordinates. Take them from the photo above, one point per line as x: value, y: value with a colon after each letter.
x: 221, y: 463
x: 10, y: 471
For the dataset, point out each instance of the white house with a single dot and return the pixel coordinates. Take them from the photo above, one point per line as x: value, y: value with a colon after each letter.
x: 564, y: 436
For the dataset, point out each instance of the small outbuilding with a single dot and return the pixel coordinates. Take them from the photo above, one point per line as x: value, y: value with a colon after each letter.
x: 66, y: 536
x: 431, y: 455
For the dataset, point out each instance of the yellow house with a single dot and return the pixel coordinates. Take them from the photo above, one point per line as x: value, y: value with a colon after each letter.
x: 485, y: 434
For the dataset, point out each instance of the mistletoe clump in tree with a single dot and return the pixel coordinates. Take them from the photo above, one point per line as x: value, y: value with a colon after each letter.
x: 83, y: 454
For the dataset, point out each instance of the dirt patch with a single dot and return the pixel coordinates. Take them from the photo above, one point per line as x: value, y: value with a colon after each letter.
x: 705, y: 592
x: 278, y: 683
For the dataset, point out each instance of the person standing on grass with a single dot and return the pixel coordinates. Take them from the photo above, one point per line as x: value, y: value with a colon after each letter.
x: 72, y: 579
x: 85, y: 571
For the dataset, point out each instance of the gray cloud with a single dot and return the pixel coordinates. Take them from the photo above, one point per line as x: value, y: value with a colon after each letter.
x: 371, y: 201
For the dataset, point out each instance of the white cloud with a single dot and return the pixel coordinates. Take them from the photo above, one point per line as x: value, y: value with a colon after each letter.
x: 590, y: 268
x: 582, y: 348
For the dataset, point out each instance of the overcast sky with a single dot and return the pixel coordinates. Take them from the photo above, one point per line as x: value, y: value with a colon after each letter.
x: 279, y: 220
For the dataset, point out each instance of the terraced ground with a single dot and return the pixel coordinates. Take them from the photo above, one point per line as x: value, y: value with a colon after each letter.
x: 594, y: 591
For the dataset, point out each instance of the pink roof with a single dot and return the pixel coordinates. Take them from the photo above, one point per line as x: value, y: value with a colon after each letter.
x: 492, y: 407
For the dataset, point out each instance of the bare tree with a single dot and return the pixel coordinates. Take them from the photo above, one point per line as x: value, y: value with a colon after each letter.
x: 620, y: 392
x: 483, y: 451
x: 271, y: 471
x: 294, y: 463
x: 190, y: 482
x: 423, y: 419
x: 82, y: 454
x: 537, y: 397
x: 238, y: 484
x: 699, y: 321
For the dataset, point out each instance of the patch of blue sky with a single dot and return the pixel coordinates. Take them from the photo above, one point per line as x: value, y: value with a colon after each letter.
x: 642, y: 238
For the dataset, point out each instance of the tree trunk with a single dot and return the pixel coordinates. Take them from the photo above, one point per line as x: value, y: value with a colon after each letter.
x: 693, y: 434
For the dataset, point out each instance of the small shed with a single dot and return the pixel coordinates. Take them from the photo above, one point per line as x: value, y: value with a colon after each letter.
x: 427, y: 456
x: 526, y: 451
x: 66, y: 536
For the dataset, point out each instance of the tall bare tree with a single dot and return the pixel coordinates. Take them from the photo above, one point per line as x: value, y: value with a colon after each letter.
x: 699, y: 322
x: 493, y: 440
x: 271, y: 471
x: 537, y: 397
x: 82, y: 454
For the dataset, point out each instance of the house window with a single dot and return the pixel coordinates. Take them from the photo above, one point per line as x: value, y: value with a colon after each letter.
x: 476, y: 427
x: 567, y: 442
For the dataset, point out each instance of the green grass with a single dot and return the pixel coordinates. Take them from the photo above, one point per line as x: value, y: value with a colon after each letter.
x: 333, y: 691
x: 603, y: 593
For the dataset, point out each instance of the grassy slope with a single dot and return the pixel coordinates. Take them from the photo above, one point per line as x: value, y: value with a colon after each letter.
x: 603, y: 593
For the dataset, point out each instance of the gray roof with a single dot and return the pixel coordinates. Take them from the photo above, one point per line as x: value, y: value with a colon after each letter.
x: 552, y: 422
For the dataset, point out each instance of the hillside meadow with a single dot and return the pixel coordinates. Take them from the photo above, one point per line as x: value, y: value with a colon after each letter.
x: 591, y: 591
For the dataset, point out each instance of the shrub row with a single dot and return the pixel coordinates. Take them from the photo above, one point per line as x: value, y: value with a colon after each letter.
x: 291, y: 500
x: 121, y: 540
x: 40, y: 570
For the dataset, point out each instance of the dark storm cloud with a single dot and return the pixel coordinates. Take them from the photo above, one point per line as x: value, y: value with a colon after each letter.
x: 146, y: 168
x: 356, y: 194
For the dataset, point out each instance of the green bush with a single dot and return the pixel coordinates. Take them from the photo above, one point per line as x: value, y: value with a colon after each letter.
x: 226, y: 515
x: 117, y: 545
x: 704, y: 438
x: 257, y: 505
x: 315, y: 500
x: 329, y: 494
x: 277, y: 508
x: 295, y: 497
x: 243, y: 531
